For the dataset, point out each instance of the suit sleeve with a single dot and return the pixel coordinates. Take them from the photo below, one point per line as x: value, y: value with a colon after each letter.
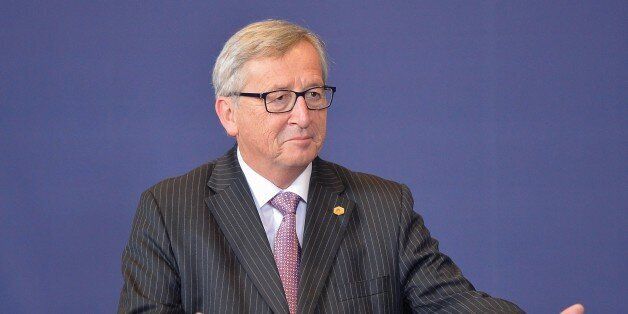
x: 431, y: 282
x: 151, y: 280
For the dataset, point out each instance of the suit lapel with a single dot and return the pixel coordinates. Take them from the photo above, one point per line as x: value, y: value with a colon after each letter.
x: 234, y: 210
x: 323, y: 233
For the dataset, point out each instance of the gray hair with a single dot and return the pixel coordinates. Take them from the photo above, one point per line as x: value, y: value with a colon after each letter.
x: 269, y: 38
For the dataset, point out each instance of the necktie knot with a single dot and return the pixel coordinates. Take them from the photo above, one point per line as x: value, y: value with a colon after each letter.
x: 285, y: 202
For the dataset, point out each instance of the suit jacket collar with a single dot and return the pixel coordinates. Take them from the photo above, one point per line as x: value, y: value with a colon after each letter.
x: 234, y: 209
x: 324, y: 232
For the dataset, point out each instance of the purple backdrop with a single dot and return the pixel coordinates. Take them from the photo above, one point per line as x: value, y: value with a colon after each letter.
x: 508, y: 120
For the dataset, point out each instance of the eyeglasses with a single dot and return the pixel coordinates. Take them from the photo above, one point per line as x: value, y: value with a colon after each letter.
x: 278, y: 101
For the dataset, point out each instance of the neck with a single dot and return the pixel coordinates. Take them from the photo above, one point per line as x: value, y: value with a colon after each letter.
x: 281, y: 176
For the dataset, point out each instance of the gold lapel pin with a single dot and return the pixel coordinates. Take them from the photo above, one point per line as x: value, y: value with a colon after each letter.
x: 339, y: 210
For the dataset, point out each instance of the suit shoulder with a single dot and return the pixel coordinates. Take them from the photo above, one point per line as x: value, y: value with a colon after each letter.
x: 360, y: 180
x: 193, y: 179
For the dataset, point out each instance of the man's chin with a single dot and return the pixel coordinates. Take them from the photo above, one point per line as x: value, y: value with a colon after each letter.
x: 300, y: 156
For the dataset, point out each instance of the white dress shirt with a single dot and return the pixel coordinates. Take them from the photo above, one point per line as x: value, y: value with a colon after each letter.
x: 263, y: 191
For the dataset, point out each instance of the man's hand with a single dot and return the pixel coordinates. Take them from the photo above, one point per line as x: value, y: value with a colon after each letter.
x: 574, y: 309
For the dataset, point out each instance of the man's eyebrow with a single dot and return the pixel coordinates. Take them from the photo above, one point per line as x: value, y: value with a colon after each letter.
x: 306, y: 87
x: 317, y: 84
x: 275, y: 87
x: 279, y: 87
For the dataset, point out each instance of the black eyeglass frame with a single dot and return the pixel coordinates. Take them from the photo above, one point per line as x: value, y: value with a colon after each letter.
x: 263, y: 96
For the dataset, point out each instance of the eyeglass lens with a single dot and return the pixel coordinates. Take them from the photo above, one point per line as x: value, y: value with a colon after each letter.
x: 284, y: 100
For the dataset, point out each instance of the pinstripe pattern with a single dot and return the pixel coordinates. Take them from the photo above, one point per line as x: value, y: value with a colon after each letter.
x: 197, y: 245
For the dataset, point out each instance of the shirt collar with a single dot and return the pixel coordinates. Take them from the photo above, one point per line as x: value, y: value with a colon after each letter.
x: 263, y: 190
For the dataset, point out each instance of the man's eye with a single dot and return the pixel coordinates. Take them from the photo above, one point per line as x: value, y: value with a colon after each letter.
x: 278, y: 97
x: 314, y: 94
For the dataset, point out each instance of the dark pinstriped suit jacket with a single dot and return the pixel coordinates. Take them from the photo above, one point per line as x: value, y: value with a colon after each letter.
x: 198, y: 245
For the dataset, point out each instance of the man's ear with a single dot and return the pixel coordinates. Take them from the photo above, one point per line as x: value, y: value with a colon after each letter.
x: 225, y: 109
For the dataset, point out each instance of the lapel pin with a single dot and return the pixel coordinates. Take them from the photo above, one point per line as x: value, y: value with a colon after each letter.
x: 339, y: 210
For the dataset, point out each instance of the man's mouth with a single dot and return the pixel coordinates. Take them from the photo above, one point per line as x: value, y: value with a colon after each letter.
x: 300, y: 138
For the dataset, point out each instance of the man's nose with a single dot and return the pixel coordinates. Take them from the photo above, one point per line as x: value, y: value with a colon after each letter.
x: 300, y: 114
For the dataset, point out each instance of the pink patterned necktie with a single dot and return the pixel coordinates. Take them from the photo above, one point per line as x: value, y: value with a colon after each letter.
x: 287, y: 253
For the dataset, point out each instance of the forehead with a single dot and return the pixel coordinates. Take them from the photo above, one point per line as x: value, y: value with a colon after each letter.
x: 300, y: 65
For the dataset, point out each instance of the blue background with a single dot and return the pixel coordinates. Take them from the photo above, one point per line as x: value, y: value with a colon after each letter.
x: 508, y: 121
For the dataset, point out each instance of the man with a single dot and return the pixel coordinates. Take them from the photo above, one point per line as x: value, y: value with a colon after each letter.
x: 270, y: 227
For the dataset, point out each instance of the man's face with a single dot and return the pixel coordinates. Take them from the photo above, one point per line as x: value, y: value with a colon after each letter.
x: 270, y: 141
